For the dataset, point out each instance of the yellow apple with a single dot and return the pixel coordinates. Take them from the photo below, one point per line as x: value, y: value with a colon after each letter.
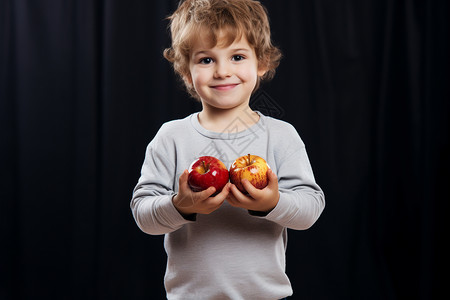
x: 250, y: 167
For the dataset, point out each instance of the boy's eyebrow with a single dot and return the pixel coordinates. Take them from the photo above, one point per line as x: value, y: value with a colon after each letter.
x: 200, y: 52
x: 241, y: 49
x: 231, y: 50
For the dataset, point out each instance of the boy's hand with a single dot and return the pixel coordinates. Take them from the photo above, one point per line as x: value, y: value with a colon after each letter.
x: 257, y: 200
x: 188, y: 202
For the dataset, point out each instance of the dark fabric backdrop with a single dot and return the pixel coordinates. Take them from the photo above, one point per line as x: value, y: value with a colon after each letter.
x: 84, y: 88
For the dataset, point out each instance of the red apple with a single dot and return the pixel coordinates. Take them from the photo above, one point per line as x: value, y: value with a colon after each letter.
x: 250, y: 167
x: 207, y: 171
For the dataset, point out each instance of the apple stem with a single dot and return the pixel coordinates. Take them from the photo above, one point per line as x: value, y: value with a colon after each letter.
x: 205, y: 166
x: 248, y: 160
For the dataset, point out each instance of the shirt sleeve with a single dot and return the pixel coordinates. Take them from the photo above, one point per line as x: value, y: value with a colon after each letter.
x: 151, y: 203
x: 301, y: 199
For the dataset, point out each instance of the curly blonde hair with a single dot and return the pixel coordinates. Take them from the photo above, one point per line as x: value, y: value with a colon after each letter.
x: 234, y: 19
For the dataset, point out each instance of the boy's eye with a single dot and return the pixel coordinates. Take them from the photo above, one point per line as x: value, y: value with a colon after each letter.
x: 237, y: 57
x: 206, y: 60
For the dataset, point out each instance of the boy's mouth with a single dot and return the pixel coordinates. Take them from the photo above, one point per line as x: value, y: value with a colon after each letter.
x: 224, y: 87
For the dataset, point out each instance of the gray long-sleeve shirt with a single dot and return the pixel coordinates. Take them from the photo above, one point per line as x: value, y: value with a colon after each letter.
x: 230, y: 253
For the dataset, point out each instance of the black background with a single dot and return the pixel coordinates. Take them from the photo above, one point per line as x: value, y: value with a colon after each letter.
x: 84, y: 87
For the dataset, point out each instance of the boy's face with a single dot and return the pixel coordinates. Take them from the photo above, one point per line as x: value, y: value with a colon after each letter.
x: 223, y: 76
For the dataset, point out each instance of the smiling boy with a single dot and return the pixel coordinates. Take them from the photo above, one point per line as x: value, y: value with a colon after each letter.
x: 232, y: 245
x: 224, y: 77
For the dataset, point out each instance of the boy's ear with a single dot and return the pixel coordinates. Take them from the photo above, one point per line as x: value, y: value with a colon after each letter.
x: 261, y: 71
x: 188, y: 79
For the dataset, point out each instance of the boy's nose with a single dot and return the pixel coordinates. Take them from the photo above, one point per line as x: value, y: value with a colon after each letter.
x: 222, y: 70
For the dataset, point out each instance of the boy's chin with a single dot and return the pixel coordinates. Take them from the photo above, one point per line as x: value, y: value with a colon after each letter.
x: 227, y: 106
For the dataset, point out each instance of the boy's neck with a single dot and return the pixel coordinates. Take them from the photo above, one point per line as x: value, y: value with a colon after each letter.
x: 227, y: 120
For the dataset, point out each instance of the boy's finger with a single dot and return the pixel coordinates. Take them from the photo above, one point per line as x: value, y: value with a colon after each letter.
x: 217, y: 201
x: 231, y: 198
x: 273, y: 179
x: 205, y: 194
x: 251, y: 190
x: 183, y: 178
x: 224, y: 192
x: 239, y: 197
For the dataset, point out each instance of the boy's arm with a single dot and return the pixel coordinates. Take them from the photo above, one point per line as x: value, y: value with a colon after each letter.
x: 301, y: 200
x: 292, y: 198
x: 151, y: 203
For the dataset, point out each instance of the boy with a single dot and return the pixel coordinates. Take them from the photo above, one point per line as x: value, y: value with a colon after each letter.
x: 232, y: 245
